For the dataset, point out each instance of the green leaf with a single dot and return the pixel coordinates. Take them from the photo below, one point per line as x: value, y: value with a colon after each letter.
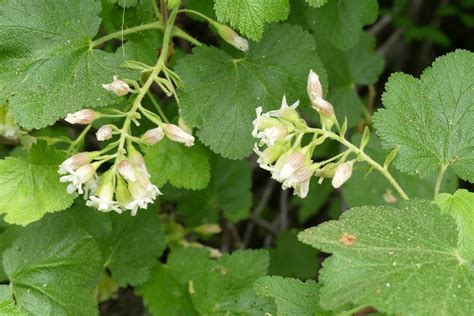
x: 166, y: 292
x: 221, y: 93
x: 292, y: 296
x: 193, y: 284
x: 304, y: 263
x: 7, y: 304
x: 125, y: 3
x: 460, y: 205
x: 131, y: 245
x: 184, y: 167
x: 374, y: 189
x: 31, y: 187
x: 47, y: 67
x: 399, y: 260
x: 7, y: 237
x: 140, y: 46
x: 317, y: 3
x: 250, y: 16
x: 226, y: 286
x: 53, y: 268
x: 431, y: 118
x: 228, y: 191
x: 360, y: 65
x: 341, y: 21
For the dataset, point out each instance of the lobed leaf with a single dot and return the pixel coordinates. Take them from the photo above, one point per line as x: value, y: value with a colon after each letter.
x: 341, y: 21
x: 183, y: 167
x: 31, y: 187
x: 292, y: 296
x: 193, y: 284
x: 130, y: 245
x: 431, y: 118
x: 221, y: 93
x: 53, y: 268
x: 399, y: 260
x: 47, y: 66
x: 250, y: 16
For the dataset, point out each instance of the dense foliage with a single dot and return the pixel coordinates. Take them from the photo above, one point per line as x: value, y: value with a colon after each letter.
x: 143, y: 145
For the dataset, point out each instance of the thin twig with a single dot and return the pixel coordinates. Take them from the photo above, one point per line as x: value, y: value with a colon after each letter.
x: 283, y: 210
x: 267, y: 192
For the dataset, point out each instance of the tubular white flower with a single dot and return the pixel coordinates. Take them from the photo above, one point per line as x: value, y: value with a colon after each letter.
x: 153, y: 136
x: 76, y: 161
x: 104, y: 198
x: 104, y: 133
x: 299, y: 181
x: 271, y: 135
x: 143, y: 192
x: 294, y: 161
x: 84, y: 117
x: 77, y: 178
x: 285, y: 110
x: 126, y: 170
x: 117, y: 86
x: 176, y: 134
x: 314, y: 85
x: 342, y: 174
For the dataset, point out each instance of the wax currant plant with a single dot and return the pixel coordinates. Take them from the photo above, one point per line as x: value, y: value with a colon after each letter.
x: 169, y: 157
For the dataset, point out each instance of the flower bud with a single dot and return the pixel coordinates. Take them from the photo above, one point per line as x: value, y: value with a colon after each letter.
x: 126, y: 170
x: 294, y: 161
x: 231, y: 37
x: 270, y: 154
x: 84, y: 117
x: 153, y: 136
x: 119, y: 87
x: 342, y: 174
x: 77, y: 161
x: 322, y: 106
x: 176, y: 134
x: 208, y: 229
x: 104, y: 133
x: 315, y: 88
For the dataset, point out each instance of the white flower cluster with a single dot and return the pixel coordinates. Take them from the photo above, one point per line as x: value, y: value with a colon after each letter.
x: 125, y: 186
x: 289, y: 164
x: 280, y: 149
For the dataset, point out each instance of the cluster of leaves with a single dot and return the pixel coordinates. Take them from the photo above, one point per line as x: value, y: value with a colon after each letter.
x: 413, y: 257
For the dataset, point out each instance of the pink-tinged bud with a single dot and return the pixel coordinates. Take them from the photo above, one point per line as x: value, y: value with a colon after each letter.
x: 119, y: 87
x: 315, y: 89
x: 292, y: 163
x: 153, y: 136
x: 231, y: 37
x: 176, y: 134
x: 84, y: 117
x: 342, y: 174
x: 76, y: 161
x: 104, y: 133
x: 126, y: 170
x: 323, y: 106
